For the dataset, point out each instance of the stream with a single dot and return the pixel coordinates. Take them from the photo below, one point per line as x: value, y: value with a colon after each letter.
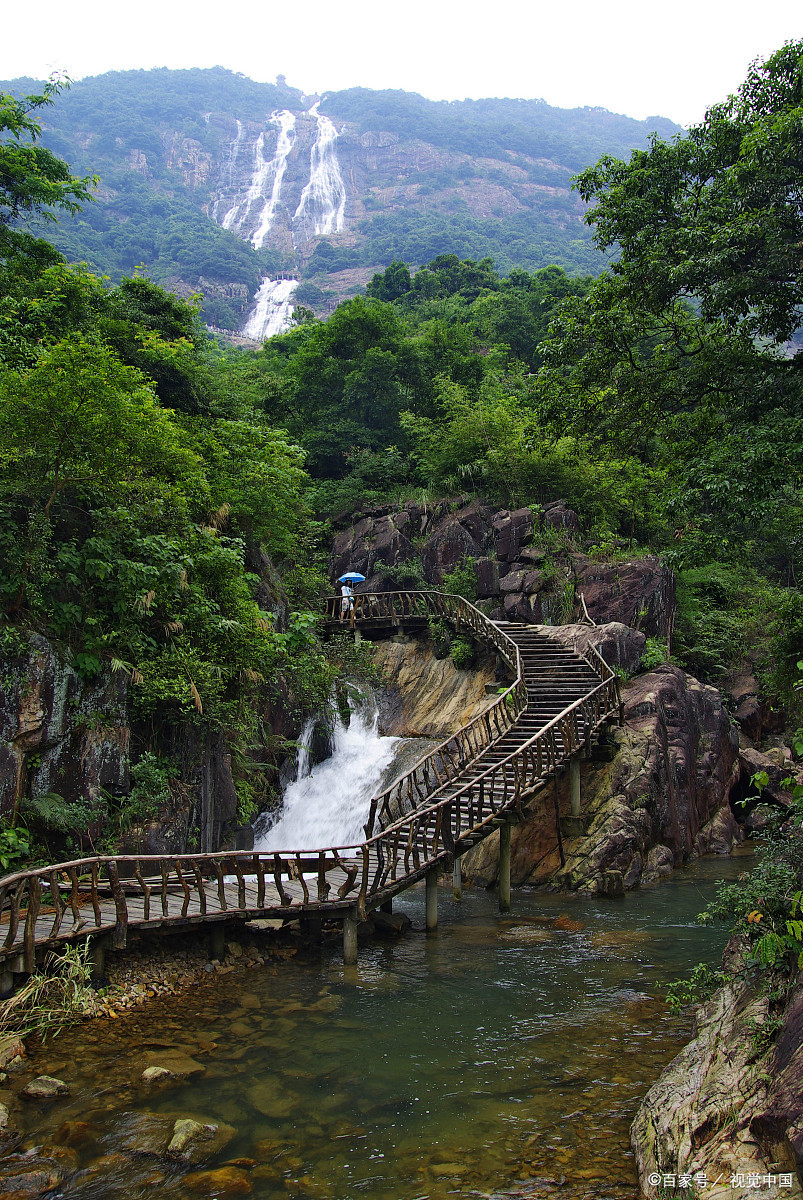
x: 503, y: 1054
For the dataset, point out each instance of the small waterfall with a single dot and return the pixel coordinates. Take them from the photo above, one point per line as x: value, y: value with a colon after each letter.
x: 329, y: 806
x: 229, y: 169
x: 254, y: 214
x: 305, y: 749
x: 322, y: 205
x: 273, y: 309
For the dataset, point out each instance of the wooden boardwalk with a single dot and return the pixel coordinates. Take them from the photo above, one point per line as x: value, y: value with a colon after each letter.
x: 472, y: 784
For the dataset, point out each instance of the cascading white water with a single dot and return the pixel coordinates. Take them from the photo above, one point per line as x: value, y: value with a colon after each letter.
x: 227, y: 219
x: 286, y: 123
x: 321, y: 209
x: 254, y: 214
x: 273, y: 309
x: 329, y: 806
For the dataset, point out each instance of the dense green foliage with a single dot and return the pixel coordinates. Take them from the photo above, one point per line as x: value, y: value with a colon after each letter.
x: 141, y: 502
x: 159, y: 140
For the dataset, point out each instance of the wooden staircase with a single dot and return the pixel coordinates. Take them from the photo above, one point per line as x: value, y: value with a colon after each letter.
x: 458, y: 794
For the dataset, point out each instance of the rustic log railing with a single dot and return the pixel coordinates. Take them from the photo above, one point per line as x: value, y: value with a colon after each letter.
x: 46, y: 906
x: 444, y: 764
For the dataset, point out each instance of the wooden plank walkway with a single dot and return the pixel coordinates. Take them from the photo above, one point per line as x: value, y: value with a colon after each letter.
x: 458, y: 794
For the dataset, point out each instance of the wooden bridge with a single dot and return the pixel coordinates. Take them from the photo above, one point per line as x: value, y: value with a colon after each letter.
x: 475, y: 782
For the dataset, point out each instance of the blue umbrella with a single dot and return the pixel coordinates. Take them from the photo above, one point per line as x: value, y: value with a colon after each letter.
x: 352, y: 577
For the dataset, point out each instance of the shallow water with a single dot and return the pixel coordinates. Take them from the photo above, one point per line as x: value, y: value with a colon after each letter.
x: 501, y: 1054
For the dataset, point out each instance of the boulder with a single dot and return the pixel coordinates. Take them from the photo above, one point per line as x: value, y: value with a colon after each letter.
x: 722, y: 1107
x: 45, y: 1087
x: 661, y: 800
x: 640, y: 593
x: 510, y: 532
x: 558, y: 515
x: 194, y: 1142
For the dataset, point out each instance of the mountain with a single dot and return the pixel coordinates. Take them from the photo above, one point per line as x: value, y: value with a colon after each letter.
x: 216, y: 183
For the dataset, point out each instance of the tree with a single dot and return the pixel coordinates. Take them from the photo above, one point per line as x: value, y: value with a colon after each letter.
x: 678, y: 353
x: 32, y: 179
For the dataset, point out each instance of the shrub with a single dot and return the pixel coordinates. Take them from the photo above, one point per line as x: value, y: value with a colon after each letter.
x: 461, y: 653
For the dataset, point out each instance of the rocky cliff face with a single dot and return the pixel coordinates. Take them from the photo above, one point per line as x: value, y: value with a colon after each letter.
x: 58, y: 733
x: 425, y: 696
x: 727, y: 1107
x: 656, y: 795
x: 525, y: 561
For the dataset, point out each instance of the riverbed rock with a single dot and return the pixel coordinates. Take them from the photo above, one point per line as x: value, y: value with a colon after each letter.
x: 224, y: 1181
x: 26, y: 1176
x: 153, y: 1075
x: 144, y: 1132
x: 12, y: 1049
x: 195, y: 1142
x: 725, y: 1105
x: 661, y: 800
x: 45, y: 1087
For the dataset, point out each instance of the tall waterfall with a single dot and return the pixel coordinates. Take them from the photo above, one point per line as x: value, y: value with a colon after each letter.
x: 329, y: 806
x: 254, y: 213
x: 273, y: 309
x: 321, y: 209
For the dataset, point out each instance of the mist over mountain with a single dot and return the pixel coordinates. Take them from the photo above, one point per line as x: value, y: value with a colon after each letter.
x: 218, y: 184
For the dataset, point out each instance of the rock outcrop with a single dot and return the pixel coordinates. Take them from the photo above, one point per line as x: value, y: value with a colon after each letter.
x: 524, y: 561
x: 661, y: 800
x: 425, y: 696
x: 59, y: 733
x: 725, y: 1106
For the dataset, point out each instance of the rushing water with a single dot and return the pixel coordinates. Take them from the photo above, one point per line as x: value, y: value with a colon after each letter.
x: 321, y: 209
x: 273, y: 309
x: 328, y: 806
x: 252, y: 213
x: 500, y: 1054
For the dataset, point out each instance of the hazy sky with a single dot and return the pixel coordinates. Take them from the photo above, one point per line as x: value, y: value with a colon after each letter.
x: 629, y: 56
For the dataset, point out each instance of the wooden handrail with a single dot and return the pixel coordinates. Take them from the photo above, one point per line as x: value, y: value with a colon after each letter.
x: 110, y: 893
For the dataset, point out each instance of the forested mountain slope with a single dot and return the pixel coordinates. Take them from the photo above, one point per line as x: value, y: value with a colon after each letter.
x: 213, y: 181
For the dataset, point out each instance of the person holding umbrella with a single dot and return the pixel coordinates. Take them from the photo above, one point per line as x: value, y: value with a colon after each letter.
x: 347, y: 592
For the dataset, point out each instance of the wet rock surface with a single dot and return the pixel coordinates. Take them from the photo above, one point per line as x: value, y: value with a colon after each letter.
x: 425, y: 696
x: 724, y: 1106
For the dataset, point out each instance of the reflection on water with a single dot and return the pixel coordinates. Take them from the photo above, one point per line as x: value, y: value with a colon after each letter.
x: 502, y: 1055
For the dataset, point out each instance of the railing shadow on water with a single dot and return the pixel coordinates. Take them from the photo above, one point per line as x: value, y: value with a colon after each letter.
x: 412, y: 825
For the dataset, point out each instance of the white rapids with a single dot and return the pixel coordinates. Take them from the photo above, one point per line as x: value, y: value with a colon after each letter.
x: 329, y: 806
x: 273, y: 309
x: 321, y: 209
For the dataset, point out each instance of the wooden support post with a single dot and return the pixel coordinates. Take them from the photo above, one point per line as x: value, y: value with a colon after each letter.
x: 350, y: 939
x: 387, y: 906
x: 504, y: 867
x: 217, y: 941
x: 457, y: 878
x: 357, y: 637
x: 574, y: 781
x: 97, y: 956
x: 432, y: 901
x: 6, y: 980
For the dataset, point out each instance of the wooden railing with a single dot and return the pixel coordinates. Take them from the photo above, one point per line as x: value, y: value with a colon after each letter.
x: 71, y: 900
x: 444, y: 764
x: 435, y: 831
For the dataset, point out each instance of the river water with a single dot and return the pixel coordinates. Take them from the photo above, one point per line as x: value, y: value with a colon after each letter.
x: 499, y: 1055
